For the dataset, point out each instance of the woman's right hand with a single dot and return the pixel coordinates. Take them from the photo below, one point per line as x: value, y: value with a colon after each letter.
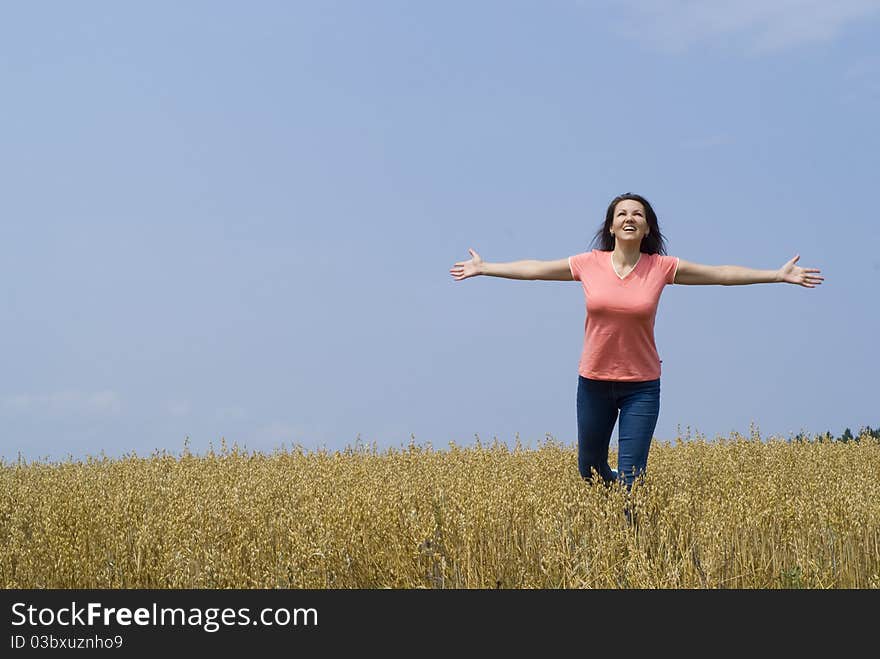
x: 465, y: 269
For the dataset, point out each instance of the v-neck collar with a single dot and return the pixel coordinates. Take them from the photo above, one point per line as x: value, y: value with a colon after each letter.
x: 624, y: 278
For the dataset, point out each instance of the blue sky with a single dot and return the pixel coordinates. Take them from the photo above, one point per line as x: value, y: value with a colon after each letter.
x: 236, y: 221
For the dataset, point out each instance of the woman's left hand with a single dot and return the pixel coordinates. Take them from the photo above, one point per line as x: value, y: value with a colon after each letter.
x: 792, y: 274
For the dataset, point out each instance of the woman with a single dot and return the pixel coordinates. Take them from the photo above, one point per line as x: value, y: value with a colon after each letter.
x: 619, y: 368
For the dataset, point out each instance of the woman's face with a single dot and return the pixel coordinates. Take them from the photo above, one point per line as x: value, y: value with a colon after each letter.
x: 630, y: 213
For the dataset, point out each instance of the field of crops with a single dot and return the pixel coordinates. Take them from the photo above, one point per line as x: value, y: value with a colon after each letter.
x: 735, y: 512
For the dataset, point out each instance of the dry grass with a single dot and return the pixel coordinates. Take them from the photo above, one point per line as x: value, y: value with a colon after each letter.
x: 735, y: 512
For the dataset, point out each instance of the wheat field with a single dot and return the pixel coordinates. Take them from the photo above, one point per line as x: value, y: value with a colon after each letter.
x: 734, y: 512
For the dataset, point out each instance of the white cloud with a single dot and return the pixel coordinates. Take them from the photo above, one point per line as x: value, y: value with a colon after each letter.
x: 764, y: 26
x: 97, y: 403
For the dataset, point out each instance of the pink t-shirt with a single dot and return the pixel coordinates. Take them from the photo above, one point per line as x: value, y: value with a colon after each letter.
x: 619, y: 329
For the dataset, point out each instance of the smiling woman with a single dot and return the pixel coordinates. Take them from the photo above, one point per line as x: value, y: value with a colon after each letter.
x: 619, y: 368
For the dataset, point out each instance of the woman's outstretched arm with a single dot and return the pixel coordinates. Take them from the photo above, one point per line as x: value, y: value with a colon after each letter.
x: 734, y: 275
x: 529, y: 269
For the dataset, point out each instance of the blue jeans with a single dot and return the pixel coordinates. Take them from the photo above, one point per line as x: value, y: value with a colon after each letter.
x: 598, y: 402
